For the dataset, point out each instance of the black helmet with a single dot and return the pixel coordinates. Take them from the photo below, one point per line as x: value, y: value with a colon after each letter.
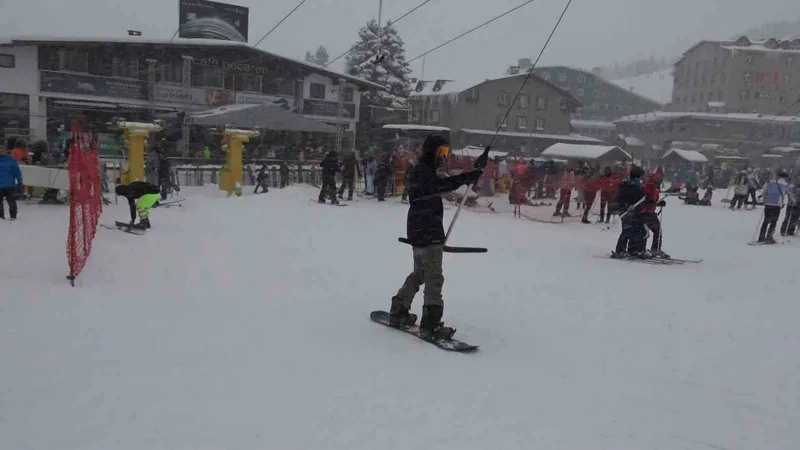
x: 636, y: 172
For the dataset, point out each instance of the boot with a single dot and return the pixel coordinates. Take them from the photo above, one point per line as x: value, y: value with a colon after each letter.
x: 144, y: 223
x: 585, y: 219
x: 431, y: 323
x: 658, y: 253
x: 400, y: 315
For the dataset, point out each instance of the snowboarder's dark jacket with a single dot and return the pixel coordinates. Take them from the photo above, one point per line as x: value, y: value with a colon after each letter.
x: 426, y: 212
x: 135, y: 190
x: 330, y: 164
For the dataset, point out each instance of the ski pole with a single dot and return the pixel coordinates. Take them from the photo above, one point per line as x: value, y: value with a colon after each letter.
x: 634, y: 206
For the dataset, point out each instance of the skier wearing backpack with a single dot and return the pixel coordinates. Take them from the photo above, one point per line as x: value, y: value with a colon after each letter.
x: 773, y: 196
x: 426, y: 235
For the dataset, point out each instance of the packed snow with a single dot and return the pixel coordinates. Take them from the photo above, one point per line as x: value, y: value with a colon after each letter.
x: 243, y: 324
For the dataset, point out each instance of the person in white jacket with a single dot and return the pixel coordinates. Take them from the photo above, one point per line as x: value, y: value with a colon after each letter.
x: 773, y: 195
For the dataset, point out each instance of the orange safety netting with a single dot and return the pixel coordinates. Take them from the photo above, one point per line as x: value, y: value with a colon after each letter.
x: 85, y: 199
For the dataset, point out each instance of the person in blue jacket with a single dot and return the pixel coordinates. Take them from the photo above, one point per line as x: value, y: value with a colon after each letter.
x: 10, y: 183
x: 774, y: 193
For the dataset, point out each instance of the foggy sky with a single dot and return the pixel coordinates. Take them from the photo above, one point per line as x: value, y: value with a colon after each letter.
x: 594, y: 32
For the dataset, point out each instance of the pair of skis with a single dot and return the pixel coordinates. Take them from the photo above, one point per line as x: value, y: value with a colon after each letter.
x: 654, y: 260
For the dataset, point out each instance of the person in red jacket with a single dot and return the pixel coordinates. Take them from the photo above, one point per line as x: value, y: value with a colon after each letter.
x: 649, y: 216
x: 607, y: 183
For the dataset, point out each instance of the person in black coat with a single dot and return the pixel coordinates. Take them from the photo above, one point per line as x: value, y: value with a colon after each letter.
x: 330, y: 167
x: 141, y: 196
x: 426, y: 235
x: 633, y: 237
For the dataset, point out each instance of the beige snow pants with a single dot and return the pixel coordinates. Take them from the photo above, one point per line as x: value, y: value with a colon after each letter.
x: 427, y: 271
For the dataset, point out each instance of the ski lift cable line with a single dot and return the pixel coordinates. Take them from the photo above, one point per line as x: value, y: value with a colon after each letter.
x: 280, y: 22
x: 393, y: 22
x: 471, y: 30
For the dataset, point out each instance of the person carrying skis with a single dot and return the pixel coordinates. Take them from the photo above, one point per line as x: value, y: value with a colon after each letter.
x: 10, y: 183
x: 141, y: 197
x: 631, y: 242
x: 773, y: 195
x: 349, y: 173
x: 649, y: 216
x: 330, y: 167
x: 426, y: 235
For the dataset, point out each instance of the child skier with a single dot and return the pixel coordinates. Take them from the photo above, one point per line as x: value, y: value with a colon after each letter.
x: 141, y: 197
x: 649, y: 216
x: 631, y: 242
x: 773, y: 195
x: 426, y: 235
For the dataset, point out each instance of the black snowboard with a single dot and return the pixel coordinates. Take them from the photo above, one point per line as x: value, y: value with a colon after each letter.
x: 382, y: 317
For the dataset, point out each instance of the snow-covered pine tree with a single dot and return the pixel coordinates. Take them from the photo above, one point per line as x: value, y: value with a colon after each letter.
x: 309, y: 58
x: 379, y: 56
x: 321, y: 57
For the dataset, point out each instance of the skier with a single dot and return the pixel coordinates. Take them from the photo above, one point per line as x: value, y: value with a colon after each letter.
x: 283, y: 169
x: 141, y: 197
x: 370, y: 168
x: 330, y: 166
x: 567, y: 183
x: 792, y: 212
x: 631, y: 242
x: 590, y: 188
x: 382, y: 176
x: 740, y: 188
x: 262, y: 180
x: 349, y: 173
x: 426, y: 235
x: 773, y: 195
x: 649, y: 216
x: 752, y: 185
x: 10, y: 183
x: 607, y: 184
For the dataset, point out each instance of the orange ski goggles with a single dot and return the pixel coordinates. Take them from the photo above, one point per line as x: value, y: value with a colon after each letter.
x: 443, y: 151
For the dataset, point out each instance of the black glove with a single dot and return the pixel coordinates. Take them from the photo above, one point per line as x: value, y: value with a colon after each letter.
x: 482, y: 160
x: 472, y: 176
x: 662, y: 203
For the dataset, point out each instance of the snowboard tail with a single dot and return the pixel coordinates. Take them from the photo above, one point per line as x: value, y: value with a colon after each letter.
x: 452, y: 345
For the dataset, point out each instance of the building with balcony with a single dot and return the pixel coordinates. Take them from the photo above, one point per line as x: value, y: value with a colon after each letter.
x: 46, y: 81
x: 740, y: 76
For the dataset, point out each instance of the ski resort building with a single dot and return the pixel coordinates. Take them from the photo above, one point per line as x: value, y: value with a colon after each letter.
x: 740, y: 76
x: 45, y: 81
x: 602, y: 100
x: 540, y: 117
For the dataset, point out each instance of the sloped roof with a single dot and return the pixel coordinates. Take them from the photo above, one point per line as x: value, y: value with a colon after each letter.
x: 571, y: 137
x: 655, y: 86
x: 587, y: 152
x: 267, y: 116
x: 474, y: 151
x: 610, y: 83
x: 688, y: 155
x: 743, y: 117
x: 186, y: 42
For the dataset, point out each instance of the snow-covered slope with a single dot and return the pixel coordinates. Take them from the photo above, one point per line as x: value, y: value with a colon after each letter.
x: 656, y: 86
x: 242, y: 324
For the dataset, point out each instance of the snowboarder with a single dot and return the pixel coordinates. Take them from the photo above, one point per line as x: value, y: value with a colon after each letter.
x: 349, y: 173
x: 773, y: 197
x: 631, y: 242
x: 10, y: 183
x: 649, y: 216
x: 330, y: 166
x: 141, y: 197
x: 426, y: 235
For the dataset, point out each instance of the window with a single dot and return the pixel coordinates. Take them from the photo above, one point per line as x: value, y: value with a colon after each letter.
x: 562, y: 77
x: 713, y: 79
x: 316, y: 91
x: 748, y: 76
x: 716, y: 61
x: 579, y: 92
x: 433, y: 117
x: 710, y: 96
x: 676, y: 100
x: 564, y: 106
x: 744, y: 95
x: 748, y: 59
x: 702, y: 96
x: 539, y: 123
x: 722, y: 77
x: 703, y: 80
x: 576, y: 116
x: 686, y: 99
x: 596, y: 94
x: 247, y: 82
x: 124, y: 68
x: 209, y: 76
x: 73, y: 61
x: 170, y: 73
x: 503, y: 99
x: 501, y: 122
x: 694, y: 98
x: 522, y: 122
x: 720, y: 96
x: 541, y: 103
x: 7, y: 61
x: 349, y: 95
x: 546, y: 76
x: 789, y: 61
x: 524, y: 101
x: 581, y: 78
x: 787, y: 78
x: 604, y: 107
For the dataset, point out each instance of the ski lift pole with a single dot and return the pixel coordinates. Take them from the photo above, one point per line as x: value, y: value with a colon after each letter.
x: 484, y: 157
